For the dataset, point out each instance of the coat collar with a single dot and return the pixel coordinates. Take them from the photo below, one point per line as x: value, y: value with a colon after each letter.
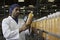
x: 11, y: 19
x: 19, y: 20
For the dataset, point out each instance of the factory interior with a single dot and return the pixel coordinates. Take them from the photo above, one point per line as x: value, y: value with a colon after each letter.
x: 46, y: 20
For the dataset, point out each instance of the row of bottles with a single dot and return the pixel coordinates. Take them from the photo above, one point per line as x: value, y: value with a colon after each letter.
x: 50, y: 24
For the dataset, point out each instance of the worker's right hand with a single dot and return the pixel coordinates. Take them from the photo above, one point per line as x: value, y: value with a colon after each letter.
x: 28, y: 22
x: 30, y: 17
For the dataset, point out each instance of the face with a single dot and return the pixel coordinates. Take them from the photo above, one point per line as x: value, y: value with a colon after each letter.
x: 15, y: 12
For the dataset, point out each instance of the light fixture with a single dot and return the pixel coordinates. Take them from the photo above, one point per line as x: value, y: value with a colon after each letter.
x: 51, y: 0
x: 20, y: 0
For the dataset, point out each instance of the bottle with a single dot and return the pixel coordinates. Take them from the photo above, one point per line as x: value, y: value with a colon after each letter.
x: 30, y: 17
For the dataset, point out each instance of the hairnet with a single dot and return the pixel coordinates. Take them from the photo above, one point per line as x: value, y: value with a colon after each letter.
x: 12, y: 7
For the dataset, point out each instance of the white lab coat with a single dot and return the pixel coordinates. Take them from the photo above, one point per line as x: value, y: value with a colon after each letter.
x: 10, y: 29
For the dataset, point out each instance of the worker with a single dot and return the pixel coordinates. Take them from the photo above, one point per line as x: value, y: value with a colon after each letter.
x: 13, y: 27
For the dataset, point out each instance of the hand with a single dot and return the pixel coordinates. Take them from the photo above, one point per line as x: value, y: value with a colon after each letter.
x: 28, y: 22
x: 30, y: 17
